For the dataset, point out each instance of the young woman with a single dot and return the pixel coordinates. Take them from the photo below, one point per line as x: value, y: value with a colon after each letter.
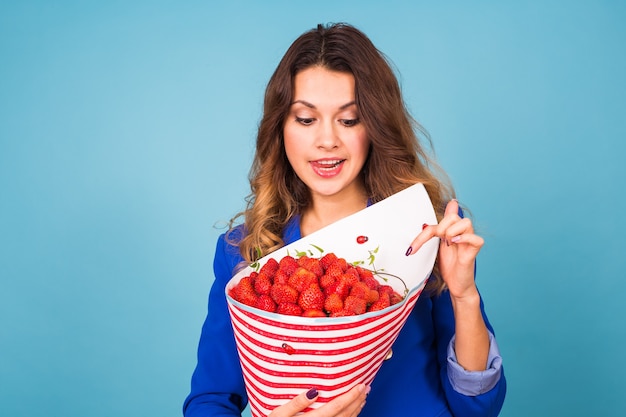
x: 336, y: 136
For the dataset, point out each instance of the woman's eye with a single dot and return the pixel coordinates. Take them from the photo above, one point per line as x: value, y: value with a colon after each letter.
x: 304, y: 120
x: 349, y: 122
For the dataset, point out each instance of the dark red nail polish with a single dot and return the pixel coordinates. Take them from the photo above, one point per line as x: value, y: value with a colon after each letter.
x: 409, y: 250
x: 424, y: 226
x: 312, y: 393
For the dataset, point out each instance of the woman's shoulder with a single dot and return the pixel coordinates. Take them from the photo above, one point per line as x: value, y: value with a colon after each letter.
x: 227, y: 255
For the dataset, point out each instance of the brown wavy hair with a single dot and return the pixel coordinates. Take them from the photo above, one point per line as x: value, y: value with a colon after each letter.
x: 397, y: 158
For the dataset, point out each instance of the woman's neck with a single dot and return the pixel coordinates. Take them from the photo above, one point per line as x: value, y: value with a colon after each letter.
x: 327, y: 210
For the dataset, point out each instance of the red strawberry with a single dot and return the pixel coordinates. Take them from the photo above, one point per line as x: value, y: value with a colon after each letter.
x: 281, y: 277
x: 311, y: 264
x: 311, y: 298
x: 349, y: 279
x: 333, y: 303
x: 354, y: 305
x: 327, y: 260
x: 364, y: 272
x: 372, y: 297
x: 270, y: 267
x: 341, y: 264
x: 395, y: 298
x: 244, y: 292
x: 283, y: 293
x: 313, y: 313
x: 385, y: 289
x: 382, y: 303
x: 340, y: 288
x: 289, y: 309
x: 361, y: 290
x: 265, y: 302
x: 262, y: 284
x: 334, y: 270
x: 326, y: 281
x: 302, y: 279
x: 352, y: 270
x: 288, y: 264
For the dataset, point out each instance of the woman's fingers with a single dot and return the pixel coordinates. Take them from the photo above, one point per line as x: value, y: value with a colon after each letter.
x: 452, y: 229
x: 297, y: 404
x: 346, y: 405
x: 450, y: 217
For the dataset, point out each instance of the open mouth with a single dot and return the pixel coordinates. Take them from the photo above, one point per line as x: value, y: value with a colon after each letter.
x: 329, y: 164
x: 327, y: 167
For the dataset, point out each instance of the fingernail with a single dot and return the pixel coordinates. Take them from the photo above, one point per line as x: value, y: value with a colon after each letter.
x: 424, y: 226
x: 312, y: 393
x: 455, y: 239
x: 409, y: 250
x: 367, y: 390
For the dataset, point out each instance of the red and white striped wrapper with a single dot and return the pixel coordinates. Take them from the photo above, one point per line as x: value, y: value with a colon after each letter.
x: 282, y: 356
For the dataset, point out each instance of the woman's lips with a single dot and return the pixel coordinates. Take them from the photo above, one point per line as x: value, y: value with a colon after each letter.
x: 327, y: 167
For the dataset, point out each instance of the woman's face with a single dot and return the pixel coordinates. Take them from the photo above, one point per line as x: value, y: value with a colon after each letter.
x: 325, y: 141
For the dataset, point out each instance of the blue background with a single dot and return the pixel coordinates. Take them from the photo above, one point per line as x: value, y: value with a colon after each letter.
x: 126, y: 133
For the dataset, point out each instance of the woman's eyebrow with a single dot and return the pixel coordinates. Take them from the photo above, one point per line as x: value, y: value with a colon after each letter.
x: 312, y: 106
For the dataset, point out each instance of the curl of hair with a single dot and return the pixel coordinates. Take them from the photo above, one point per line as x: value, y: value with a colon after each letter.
x: 397, y: 157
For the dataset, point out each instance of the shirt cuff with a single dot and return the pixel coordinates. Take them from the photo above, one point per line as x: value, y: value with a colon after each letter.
x: 474, y: 383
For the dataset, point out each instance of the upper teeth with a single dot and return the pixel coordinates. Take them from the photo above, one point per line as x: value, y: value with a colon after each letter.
x: 333, y: 162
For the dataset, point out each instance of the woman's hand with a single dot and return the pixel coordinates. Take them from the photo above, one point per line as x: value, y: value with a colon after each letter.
x: 457, y: 257
x: 457, y: 250
x: 346, y: 405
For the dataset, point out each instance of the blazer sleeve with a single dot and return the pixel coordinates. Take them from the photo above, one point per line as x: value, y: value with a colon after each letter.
x: 484, y: 404
x: 217, y: 387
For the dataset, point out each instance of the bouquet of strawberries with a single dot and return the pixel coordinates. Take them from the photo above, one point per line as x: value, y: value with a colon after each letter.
x: 314, y: 287
x: 302, y: 318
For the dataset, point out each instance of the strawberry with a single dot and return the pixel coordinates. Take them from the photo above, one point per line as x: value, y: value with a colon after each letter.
x: 311, y: 264
x: 340, y: 288
x: 262, y: 284
x: 354, y: 305
x: 244, y: 292
x: 289, y: 309
x: 341, y: 263
x: 395, y: 298
x: 270, y: 267
x: 327, y: 260
x: 385, y: 289
x: 326, y: 281
x: 334, y: 270
x: 333, y: 303
x: 311, y: 298
x: 265, y: 302
x: 281, y: 277
x: 372, y: 297
x: 302, y: 278
x: 352, y: 270
x: 349, y: 279
x: 364, y: 273
x: 313, y: 313
x: 382, y: 303
x: 288, y: 264
x: 360, y: 289
x: 283, y: 293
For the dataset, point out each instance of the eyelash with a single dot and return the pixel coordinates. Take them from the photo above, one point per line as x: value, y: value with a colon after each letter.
x: 306, y: 121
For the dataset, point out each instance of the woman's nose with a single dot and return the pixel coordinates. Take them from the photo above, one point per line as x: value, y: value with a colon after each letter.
x: 327, y: 137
